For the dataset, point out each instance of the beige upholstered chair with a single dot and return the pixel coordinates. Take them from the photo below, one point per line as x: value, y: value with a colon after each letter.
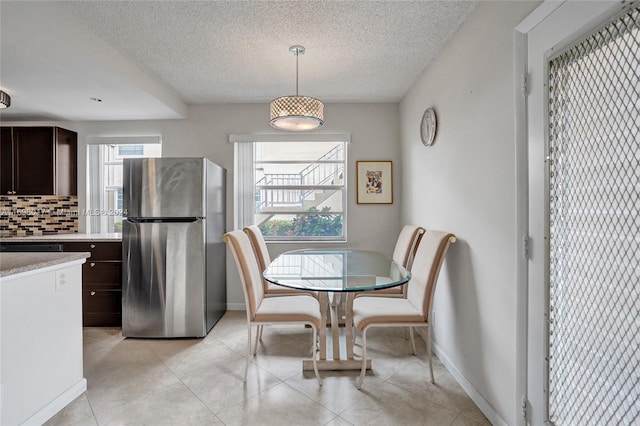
x: 294, y: 309
x: 262, y: 254
x: 403, y: 254
x: 407, y: 244
x: 415, y: 310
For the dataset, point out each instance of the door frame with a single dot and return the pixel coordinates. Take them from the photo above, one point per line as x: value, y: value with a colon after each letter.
x: 550, y: 28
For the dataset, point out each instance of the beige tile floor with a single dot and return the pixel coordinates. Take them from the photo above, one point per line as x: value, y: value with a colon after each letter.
x: 199, y: 382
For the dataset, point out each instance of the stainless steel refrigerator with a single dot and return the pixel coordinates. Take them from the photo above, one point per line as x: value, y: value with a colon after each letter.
x: 174, y: 268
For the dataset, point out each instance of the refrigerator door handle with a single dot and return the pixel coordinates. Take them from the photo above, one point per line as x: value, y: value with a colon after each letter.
x: 163, y: 219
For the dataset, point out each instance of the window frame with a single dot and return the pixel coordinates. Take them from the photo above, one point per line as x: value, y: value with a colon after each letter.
x: 245, y: 188
x: 100, y: 216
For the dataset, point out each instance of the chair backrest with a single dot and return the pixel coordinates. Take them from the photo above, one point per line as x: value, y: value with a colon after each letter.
x: 260, y: 249
x: 259, y: 246
x: 407, y: 245
x: 248, y: 268
x: 426, y: 268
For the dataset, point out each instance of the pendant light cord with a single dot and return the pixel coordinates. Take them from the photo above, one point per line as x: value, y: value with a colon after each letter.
x: 297, y: 56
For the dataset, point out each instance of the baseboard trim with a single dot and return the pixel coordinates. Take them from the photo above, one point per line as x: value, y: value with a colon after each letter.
x: 490, y: 413
x: 52, y: 408
x: 235, y: 306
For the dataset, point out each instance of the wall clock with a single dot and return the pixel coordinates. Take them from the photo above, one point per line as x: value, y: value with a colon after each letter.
x: 428, y: 127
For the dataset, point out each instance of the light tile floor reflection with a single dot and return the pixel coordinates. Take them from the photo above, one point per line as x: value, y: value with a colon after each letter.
x: 199, y: 382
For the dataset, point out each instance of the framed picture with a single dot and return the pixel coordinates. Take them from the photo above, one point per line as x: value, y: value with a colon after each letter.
x: 374, y: 182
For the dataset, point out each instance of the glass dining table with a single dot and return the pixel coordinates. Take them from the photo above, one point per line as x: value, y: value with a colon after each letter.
x: 332, y: 273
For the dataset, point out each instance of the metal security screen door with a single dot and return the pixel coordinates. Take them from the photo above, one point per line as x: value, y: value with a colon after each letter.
x: 594, y: 228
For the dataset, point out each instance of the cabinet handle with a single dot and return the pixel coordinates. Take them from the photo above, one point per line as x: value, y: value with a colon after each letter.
x: 93, y: 293
x: 93, y: 246
x: 92, y: 264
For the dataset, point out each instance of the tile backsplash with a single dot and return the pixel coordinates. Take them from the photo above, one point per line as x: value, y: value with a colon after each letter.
x: 38, y: 215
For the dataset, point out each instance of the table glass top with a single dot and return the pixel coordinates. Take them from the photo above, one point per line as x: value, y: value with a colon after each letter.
x: 335, y: 270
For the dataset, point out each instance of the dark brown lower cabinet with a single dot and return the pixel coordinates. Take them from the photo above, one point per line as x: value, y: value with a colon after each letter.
x: 101, y: 308
x: 101, y: 283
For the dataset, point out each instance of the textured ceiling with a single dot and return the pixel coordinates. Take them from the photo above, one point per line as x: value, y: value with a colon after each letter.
x: 214, y: 52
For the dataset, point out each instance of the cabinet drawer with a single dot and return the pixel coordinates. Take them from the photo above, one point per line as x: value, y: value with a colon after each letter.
x: 101, y: 308
x: 102, y: 275
x: 98, y: 250
x: 102, y: 301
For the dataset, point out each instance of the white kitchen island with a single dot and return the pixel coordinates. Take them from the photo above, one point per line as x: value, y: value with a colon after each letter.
x: 40, y: 335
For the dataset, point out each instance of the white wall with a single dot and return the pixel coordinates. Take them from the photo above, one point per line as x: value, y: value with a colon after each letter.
x: 465, y: 183
x: 374, y: 132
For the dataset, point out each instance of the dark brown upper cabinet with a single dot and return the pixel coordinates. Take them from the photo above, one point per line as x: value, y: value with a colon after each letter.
x: 38, y: 161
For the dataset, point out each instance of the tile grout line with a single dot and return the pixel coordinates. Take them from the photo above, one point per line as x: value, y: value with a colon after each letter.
x: 182, y: 382
x: 95, y: 418
x: 91, y: 407
x: 139, y: 397
x: 233, y: 336
x: 457, y: 410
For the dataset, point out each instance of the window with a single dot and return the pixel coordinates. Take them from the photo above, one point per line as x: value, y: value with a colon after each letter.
x: 105, y: 208
x: 293, y: 191
x: 131, y: 150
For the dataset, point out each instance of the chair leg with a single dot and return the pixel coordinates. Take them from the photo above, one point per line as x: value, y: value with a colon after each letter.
x: 413, y: 341
x: 246, y: 367
x: 255, y: 347
x: 260, y: 327
x: 433, y: 381
x: 315, y: 353
x: 363, y: 370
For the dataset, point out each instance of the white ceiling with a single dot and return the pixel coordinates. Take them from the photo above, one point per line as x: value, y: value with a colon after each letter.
x: 150, y: 59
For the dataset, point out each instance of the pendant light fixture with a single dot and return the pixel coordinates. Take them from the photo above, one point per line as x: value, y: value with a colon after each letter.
x: 5, y: 100
x: 296, y: 112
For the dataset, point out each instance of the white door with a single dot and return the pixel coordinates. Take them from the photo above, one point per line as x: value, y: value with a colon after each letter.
x: 583, y: 113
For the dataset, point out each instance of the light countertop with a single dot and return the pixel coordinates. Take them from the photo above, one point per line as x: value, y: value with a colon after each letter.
x: 15, y: 263
x: 63, y: 237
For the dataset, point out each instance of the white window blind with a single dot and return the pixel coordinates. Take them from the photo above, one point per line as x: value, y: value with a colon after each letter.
x: 104, y: 166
